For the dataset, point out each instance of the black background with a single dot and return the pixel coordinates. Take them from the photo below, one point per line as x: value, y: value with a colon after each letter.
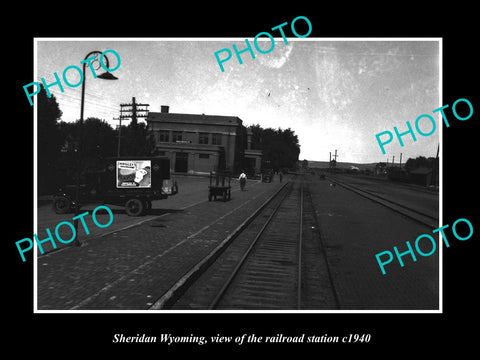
x: 60, y: 335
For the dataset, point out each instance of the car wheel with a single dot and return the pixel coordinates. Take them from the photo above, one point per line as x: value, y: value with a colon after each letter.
x: 134, y: 207
x: 62, y: 204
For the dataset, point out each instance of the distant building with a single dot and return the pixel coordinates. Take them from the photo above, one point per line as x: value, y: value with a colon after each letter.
x: 421, y: 176
x: 198, y: 144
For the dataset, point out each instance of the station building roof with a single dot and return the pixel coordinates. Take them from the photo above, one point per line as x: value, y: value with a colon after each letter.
x: 167, y: 117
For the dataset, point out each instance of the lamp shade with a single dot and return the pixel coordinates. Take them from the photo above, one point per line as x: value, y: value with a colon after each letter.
x: 107, y: 76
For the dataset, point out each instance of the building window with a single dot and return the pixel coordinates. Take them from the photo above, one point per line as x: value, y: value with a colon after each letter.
x: 177, y: 136
x: 203, y: 138
x: 216, y: 139
x: 204, y: 156
x: 163, y: 135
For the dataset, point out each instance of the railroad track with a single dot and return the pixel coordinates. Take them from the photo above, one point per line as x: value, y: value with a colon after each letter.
x: 273, y: 262
x: 410, y: 212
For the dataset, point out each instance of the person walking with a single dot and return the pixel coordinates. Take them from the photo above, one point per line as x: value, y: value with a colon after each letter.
x: 243, y: 180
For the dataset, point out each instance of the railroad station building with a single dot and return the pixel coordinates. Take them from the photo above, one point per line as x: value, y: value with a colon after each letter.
x: 199, y: 143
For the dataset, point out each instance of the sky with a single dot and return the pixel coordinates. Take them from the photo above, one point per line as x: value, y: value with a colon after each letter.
x: 335, y: 94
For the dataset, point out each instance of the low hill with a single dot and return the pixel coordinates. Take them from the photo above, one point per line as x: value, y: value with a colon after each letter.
x: 340, y: 165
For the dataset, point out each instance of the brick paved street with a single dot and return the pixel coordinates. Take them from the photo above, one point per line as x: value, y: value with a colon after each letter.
x: 192, y: 191
x: 127, y: 269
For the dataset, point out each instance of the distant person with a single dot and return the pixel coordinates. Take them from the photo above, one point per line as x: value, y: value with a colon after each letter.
x: 243, y: 180
x: 280, y: 175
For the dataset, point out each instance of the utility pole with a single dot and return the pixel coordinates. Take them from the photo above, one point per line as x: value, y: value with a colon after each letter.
x: 335, y: 156
x: 333, y: 163
x: 400, y: 160
x: 133, y: 111
x: 119, y: 119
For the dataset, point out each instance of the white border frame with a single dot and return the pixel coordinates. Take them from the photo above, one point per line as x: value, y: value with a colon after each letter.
x: 35, y: 194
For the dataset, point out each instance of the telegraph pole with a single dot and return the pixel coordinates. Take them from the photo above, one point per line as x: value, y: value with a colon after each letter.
x: 335, y: 156
x: 119, y: 119
x: 333, y: 163
x: 133, y: 111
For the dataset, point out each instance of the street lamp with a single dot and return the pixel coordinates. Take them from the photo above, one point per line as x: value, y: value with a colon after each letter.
x: 105, y: 76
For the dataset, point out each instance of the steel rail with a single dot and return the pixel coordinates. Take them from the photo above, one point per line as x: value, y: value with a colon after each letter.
x: 233, y: 274
x: 177, y: 289
x: 325, y: 253
x: 300, y: 236
x: 384, y: 201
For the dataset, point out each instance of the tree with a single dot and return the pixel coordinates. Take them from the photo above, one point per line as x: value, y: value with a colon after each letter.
x: 84, y: 146
x: 49, y: 141
x: 98, y: 138
x: 137, y: 140
x: 421, y: 161
x: 290, y: 148
x: 280, y: 147
x: 256, y: 140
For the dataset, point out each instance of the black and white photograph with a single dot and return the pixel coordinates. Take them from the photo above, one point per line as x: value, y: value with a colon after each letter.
x: 236, y: 183
x: 323, y: 221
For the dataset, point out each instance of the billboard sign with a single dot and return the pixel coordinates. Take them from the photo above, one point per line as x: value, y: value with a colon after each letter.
x: 134, y: 173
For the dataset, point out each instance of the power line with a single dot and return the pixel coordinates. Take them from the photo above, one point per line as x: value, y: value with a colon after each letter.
x: 99, y: 102
x: 133, y: 111
x: 72, y: 103
x: 91, y: 108
x: 75, y: 95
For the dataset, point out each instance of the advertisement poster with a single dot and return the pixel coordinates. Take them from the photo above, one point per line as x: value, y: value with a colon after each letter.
x: 134, y: 174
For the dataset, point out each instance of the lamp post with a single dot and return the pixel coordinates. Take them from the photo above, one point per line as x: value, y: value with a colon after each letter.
x: 104, y: 76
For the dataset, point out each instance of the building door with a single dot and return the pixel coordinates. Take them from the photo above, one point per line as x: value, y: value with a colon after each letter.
x: 250, y: 165
x: 181, y: 162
